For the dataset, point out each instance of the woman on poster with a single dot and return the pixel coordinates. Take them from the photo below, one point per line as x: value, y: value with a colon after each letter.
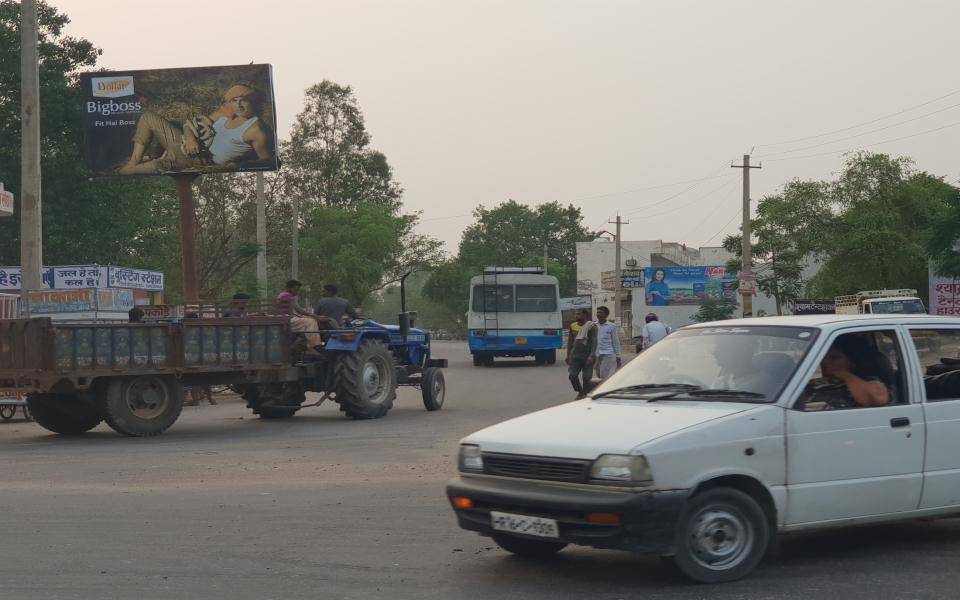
x: 657, y: 290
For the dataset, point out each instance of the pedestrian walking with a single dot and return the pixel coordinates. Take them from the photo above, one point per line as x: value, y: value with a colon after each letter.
x: 581, y: 352
x: 653, y: 331
x: 609, y: 358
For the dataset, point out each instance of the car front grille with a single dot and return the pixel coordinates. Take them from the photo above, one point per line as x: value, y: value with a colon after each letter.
x: 536, y: 467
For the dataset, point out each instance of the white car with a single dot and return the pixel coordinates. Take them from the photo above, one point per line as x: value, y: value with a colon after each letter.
x: 723, y: 435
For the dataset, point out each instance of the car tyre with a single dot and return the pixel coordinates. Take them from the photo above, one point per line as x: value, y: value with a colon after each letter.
x: 528, y: 548
x: 722, y: 535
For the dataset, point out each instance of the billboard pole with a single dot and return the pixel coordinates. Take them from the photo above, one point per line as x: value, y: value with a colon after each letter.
x: 261, y: 239
x: 188, y: 238
x: 31, y: 223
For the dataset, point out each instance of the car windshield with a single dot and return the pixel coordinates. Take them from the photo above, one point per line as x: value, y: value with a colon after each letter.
x: 889, y: 307
x: 735, y: 363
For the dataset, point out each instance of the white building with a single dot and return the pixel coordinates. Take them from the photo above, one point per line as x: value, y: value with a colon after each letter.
x: 599, y: 256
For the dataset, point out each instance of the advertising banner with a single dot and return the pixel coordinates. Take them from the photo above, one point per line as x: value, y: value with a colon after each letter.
x: 673, y: 286
x: 575, y: 302
x: 192, y: 120
x: 629, y: 279
x: 62, y: 301
x: 6, y: 202
x: 944, y: 295
x: 135, y: 278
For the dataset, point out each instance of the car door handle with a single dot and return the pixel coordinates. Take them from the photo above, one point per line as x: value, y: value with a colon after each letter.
x: 900, y: 422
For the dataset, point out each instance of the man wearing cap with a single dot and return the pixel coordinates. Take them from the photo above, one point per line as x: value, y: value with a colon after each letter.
x: 218, y: 142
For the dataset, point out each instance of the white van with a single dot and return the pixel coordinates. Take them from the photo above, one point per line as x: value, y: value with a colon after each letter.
x: 707, y: 446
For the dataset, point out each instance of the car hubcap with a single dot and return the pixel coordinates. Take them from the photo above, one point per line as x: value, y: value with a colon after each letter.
x: 147, y: 398
x: 720, y: 538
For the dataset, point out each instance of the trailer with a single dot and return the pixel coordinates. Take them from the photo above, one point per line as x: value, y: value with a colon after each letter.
x: 132, y: 375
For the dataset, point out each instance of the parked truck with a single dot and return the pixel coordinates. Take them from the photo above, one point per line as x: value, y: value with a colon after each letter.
x: 132, y: 375
x: 902, y: 301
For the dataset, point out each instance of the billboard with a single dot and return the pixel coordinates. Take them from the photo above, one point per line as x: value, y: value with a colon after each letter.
x: 168, y: 121
x: 944, y: 295
x: 629, y: 279
x: 814, y: 307
x: 678, y: 286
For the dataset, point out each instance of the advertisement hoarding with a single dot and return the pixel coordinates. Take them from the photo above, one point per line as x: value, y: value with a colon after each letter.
x: 944, y: 295
x: 673, y: 286
x: 135, y: 278
x: 79, y: 277
x: 10, y: 278
x: 629, y: 279
x: 190, y: 120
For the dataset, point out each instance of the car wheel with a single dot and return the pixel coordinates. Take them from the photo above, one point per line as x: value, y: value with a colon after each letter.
x: 722, y: 535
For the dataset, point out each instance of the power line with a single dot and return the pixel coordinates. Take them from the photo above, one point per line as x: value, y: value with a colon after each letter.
x: 672, y: 196
x: 897, y: 139
x: 694, y: 201
x: 884, y: 128
x: 735, y: 215
x: 706, y: 218
x: 871, y: 122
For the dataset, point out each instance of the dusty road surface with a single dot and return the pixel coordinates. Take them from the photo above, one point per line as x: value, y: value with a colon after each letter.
x: 225, y: 505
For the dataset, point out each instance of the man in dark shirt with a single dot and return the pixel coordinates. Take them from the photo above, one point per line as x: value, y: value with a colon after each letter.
x: 581, y: 352
x: 334, y: 307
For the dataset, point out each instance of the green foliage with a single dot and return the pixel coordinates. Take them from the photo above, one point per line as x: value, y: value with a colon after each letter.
x: 507, y: 235
x: 385, y: 306
x: 713, y: 310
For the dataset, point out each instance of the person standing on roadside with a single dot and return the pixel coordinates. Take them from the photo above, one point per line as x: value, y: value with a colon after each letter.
x: 581, y: 352
x: 653, y: 331
x: 608, y: 345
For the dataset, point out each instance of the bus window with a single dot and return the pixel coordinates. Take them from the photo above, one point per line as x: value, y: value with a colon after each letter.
x: 488, y: 299
x: 536, y: 298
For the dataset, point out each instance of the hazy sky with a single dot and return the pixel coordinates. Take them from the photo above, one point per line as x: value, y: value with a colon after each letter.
x: 590, y: 102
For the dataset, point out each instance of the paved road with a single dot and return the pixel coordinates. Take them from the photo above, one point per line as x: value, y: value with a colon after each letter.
x: 225, y: 505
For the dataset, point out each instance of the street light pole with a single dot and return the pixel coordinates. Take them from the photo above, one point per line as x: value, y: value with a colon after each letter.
x: 31, y: 223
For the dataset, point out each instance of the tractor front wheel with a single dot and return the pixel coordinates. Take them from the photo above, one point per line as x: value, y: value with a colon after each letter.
x: 434, y: 388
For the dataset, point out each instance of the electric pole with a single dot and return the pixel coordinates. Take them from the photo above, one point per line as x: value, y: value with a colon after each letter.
x: 746, y: 271
x: 31, y: 223
x: 295, y: 259
x: 261, y: 239
x: 616, y: 293
x: 544, y: 256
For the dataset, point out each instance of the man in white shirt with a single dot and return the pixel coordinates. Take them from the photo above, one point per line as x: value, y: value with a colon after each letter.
x: 608, y: 345
x: 653, y: 331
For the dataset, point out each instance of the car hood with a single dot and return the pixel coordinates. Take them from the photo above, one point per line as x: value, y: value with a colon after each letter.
x: 588, y: 428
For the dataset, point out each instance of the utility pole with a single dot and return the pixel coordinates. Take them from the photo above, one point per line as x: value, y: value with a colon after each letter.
x: 261, y: 239
x: 746, y: 272
x: 31, y: 222
x: 188, y: 238
x: 616, y: 293
x: 295, y: 224
x: 544, y: 256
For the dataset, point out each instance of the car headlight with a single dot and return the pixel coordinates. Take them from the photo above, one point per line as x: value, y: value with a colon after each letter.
x: 470, y: 458
x: 618, y: 468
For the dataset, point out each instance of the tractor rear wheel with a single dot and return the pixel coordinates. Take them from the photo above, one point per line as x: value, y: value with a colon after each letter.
x: 66, y: 414
x: 365, y: 381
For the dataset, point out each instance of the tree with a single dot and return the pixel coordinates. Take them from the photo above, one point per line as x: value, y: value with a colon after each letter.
x: 511, y: 234
x: 328, y: 159
x: 714, y: 310
x: 83, y: 221
x: 877, y: 238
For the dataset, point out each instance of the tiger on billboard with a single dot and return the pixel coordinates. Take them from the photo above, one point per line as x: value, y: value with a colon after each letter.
x: 170, y: 121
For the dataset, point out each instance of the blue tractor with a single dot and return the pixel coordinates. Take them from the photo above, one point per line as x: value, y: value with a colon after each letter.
x: 360, y: 368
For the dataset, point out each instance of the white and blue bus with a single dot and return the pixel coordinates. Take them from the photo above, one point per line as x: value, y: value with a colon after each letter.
x: 514, y: 311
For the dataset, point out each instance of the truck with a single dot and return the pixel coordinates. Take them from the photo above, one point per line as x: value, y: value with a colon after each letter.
x: 902, y: 301
x: 132, y: 375
x: 727, y: 435
x: 514, y: 312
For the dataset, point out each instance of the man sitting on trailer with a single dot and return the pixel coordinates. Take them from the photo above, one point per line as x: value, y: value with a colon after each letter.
x: 301, y: 321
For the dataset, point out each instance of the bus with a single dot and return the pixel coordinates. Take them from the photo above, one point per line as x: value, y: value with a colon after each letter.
x: 514, y: 311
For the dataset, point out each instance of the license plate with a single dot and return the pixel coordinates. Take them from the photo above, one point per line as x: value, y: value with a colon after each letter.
x: 521, y: 341
x: 524, y: 524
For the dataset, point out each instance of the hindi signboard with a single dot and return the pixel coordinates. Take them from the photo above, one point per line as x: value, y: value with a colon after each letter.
x: 79, y: 277
x: 944, y: 295
x: 135, y: 278
x: 6, y: 202
x: 814, y: 307
x: 629, y: 279
x: 190, y: 120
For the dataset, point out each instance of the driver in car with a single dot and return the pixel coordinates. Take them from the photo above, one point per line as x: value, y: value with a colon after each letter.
x: 844, y: 383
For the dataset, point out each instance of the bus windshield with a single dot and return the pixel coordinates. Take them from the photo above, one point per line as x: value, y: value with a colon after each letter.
x: 514, y: 298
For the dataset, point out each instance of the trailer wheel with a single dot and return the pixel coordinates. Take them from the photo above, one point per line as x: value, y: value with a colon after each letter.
x: 260, y: 400
x: 143, y: 405
x: 66, y: 414
x: 365, y: 381
x: 434, y: 388
x: 7, y: 411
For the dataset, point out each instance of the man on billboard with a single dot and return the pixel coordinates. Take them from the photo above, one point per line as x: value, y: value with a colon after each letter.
x: 234, y: 133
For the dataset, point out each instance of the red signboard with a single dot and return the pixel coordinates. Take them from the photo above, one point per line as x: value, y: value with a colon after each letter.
x: 6, y: 202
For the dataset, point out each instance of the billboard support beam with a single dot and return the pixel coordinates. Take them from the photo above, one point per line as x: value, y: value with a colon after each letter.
x: 188, y: 238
